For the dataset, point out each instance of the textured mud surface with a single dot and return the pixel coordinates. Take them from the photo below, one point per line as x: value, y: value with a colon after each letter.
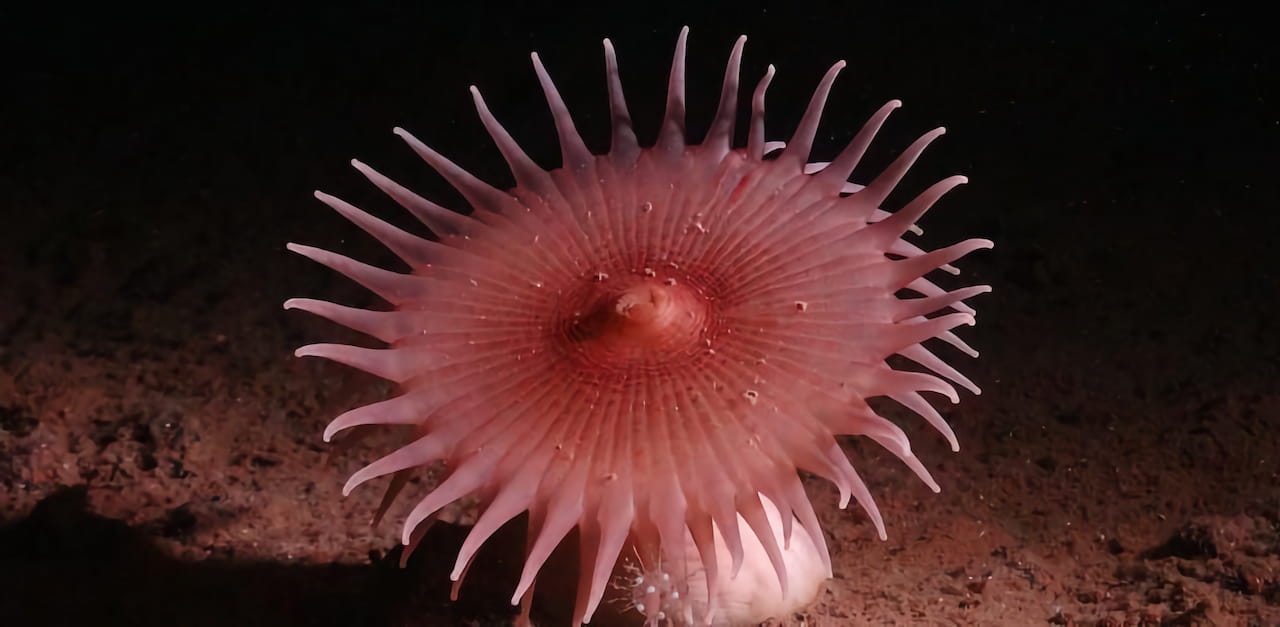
x: 160, y: 452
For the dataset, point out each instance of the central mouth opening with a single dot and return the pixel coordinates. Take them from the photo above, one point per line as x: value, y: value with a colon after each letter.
x: 639, y: 320
x: 643, y: 312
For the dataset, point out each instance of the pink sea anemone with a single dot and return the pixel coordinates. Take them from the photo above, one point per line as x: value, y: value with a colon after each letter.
x: 648, y: 345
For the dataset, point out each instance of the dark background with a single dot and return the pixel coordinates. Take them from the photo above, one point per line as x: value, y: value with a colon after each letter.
x: 1087, y: 121
x: 1123, y: 159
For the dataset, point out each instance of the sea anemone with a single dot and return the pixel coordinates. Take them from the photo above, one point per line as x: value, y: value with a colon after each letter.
x: 648, y: 345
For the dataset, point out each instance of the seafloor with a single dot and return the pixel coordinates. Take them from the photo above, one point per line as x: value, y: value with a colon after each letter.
x: 160, y: 451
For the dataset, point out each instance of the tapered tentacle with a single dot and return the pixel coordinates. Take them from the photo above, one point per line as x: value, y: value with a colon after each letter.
x: 903, y: 248
x: 414, y: 250
x: 387, y: 326
x: 960, y: 344
x: 885, y: 381
x: 671, y: 134
x: 466, y: 479
x: 512, y: 498
x: 858, y: 489
x: 527, y: 173
x: 927, y: 288
x: 563, y: 512
x: 613, y: 535
x: 915, y: 402
x: 572, y: 149
x: 894, y: 440
x: 914, y: 307
x: 902, y: 335
x: 922, y: 356
x: 905, y: 272
x: 441, y: 221
x: 879, y: 214
x: 848, y: 159
x: 406, y: 409
x: 888, y: 230
x: 479, y: 194
x: 802, y: 142
x: 752, y: 511
x: 878, y: 189
x: 393, y: 287
x: 720, y: 136
x: 422, y: 452
x: 397, y: 365
x: 756, y: 145
x: 624, y: 147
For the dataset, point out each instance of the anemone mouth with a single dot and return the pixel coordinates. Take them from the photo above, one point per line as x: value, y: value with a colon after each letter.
x: 647, y: 345
x: 636, y: 325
